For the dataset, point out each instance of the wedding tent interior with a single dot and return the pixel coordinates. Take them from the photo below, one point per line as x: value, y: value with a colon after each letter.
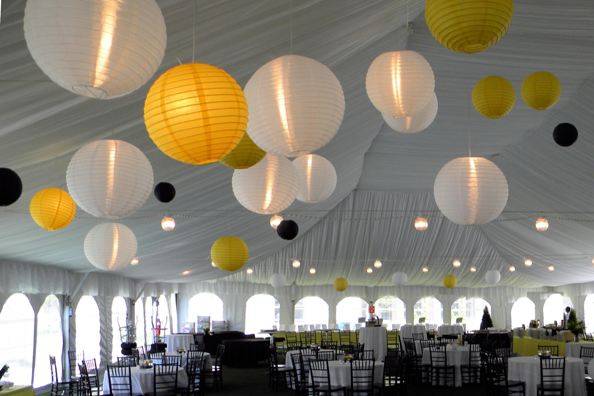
x: 179, y: 171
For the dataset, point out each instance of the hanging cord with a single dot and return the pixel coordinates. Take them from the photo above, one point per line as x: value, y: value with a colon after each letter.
x: 468, y: 131
x: 194, y: 3
x: 291, y: 27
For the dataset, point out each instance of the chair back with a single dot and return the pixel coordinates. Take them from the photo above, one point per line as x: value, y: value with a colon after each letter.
x: 362, y: 374
x: 193, y: 355
x: 156, y: 357
x: 410, y: 347
x: 319, y: 374
x: 474, y: 355
x: 72, y: 363
x: 392, y: 340
x: 195, y: 367
x: 586, y: 354
x: 427, y: 343
x: 127, y: 361
x: 120, y: 379
x: 327, y: 355
x: 495, y: 371
x: 84, y: 383
x: 367, y: 354
x: 552, y: 372
x: 328, y: 344
x: 93, y: 372
x: 293, y: 345
x: 299, y: 374
x: 54, y: 370
x: 419, y: 336
x: 175, y: 360
x: 552, y: 349
x: 438, y: 355
x: 394, y: 369
x: 199, y: 346
x: 165, y: 379
x: 344, y: 337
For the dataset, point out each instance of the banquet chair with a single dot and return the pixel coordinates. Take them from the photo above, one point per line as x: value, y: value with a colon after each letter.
x: 441, y: 371
x: 504, y: 352
x: 552, y: 349
x: 415, y: 368
x: 427, y: 343
x: 366, y: 354
x: 165, y: 379
x: 172, y: 360
x: 93, y: 372
x: 586, y: 354
x: 299, y: 375
x: 195, y: 372
x: 120, y: 379
x: 277, y: 373
x: 156, y: 357
x: 327, y: 344
x: 344, y: 337
x: 496, y: 378
x: 320, y: 379
x: 84, y: 382
x: 127, y: 361
x: 59, y: 387
x: 72, y: 363
x: 193, y: 354
x: 327, y: 355
x: 392, y: 341
x: 394, y: 380
x: 471, y: 371
x: 449, y: 338
x: 362, y: 376
x: 216, y: 371
x: 293, y: 346
x: 552, y: 376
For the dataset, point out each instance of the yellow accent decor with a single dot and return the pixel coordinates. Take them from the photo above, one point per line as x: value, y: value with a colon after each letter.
x: 449, y: 281
x: 493, y: 97
x: 340, y: 284
x: 52, y: 209
x: 541, y: 90
x: 229, y: 253
x: 468, y: 26
x: 246, y: 154
x: 528, y: 346
x: 195, y: 113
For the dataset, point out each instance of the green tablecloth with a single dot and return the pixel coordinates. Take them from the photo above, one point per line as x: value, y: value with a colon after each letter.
x: 17, y: 391
x: 527, y: 346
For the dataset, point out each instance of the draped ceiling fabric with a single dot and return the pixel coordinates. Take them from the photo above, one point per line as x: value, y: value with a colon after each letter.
x: 384, y: 179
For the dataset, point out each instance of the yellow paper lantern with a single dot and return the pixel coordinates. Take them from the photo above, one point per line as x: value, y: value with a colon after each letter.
x: 493, y: 97
x: 52, y: 209
x: 541, y: 90
x: 341, y: 284
x: 195, y: 113
x: 468, y: 26
x: 449, y: 281
x: 246, y: 154
x: 229, y: 253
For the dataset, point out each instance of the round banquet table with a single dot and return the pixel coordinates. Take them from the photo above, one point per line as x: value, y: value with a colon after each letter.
x: 176, y: 341
x: 340, y: 373
x: 142, y: 381
x: 572, y: 349
x: 454, y: 329
x: 376, y: 339
x: 457, y: 355
x: 527, y: 369
x: 407, y: 330
x: 289, y: 361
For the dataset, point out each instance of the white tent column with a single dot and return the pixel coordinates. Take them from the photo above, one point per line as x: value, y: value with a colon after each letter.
x: 287, y: 311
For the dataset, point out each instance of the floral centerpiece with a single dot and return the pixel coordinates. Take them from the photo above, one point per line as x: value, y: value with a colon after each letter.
x: 534, y: 324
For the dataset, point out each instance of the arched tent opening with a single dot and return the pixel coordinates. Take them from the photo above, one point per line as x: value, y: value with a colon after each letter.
x: 392, y: 310
x: 349, y: 311
x: 522, y: 312
x: 311, y: 311
x: 589, y: 313
x: 429, y: 308
x: 164, y: 315
x: 554, y: 307
x: 262, y: 312
x: 205, y: 304
x: 139, y: 322
x: 49, y: 340
x: 470, y: 310
x: 16, y: 329
x: 118, y: 319
x: 88, y: 337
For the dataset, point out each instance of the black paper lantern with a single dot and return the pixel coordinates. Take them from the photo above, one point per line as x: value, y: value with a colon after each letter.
x: 164, y: 192
x: 287, y: 229
x: 565, y: 134
x: 10, y: 187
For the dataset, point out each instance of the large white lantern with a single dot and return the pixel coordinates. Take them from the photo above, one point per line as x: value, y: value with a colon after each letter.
x: 470, y: 190
x: 400, y: 83
x: 278, y: 280
x: 109, y: 178
x: 96, y: 48
x: 316, y: 178
x: 399, y: 278
x: 296, y: 105
x: 110, y: 246
x: 268, y: 187
x: 417, y: 122
x: 492, y: 277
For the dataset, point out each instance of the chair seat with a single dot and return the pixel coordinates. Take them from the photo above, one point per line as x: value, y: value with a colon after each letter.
x: 550, y: 387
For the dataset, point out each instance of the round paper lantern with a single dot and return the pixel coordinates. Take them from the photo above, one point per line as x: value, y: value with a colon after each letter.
x: 268, y: 187
x: 399, y: 278
x: 417, y: 122
x: 52, y: 209
x: 229, y: 253
x: 493, y: 97
x: 296, y: 105
x: 541, y: 90
x: 287, y: 229
x: 278, y: 280
x: 316, y: 178
x: 244, y: 155
x: 400, y: 83
x: 96, y: 48
x: 164, y: 192
x: 492, y: 277
x: 195, y: 113
x: 449, y: 281
x: 109, y: 178
x: 565, y: 134
x: 110, y: 246
x: 340, y: 284
x: 468, y: 26
x: 11, y: 187
x: 470, y: 190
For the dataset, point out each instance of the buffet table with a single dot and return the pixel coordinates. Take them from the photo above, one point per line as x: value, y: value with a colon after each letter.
x: 376, y: 339
x: 177, y: 341
x: 528, y: 346
x: 527, y: 369
x: 455, y: 329
x: 247, y: 352
x: 142, y: 380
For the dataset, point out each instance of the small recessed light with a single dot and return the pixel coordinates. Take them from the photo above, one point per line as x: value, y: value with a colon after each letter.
x: 312, y: 271
x: 135, y: 261
x: 456, y: 263
x: 551, y: 268
x: 186, y: 272
x: 425, y: 269
x: 168, y: 223
x: 249, y: 271
x: 377, y: 264
x: 472, y: 269
x: 213, y: 264
x: 512, y: 268
x: 275, y: 220
x: 541, y: 224
x: 369, y: 270
x: 296, y: 263
x: 528, y: 262
x: 421, y: 223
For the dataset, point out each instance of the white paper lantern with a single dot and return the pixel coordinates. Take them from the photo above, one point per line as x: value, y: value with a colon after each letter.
x: 296, y: 105
x: 417, y: 122
x: 109, y: 178
x: 492, y: 277
x: 278, y: 280
x: 316, y: 178
x: 470, y: 190
x: 96, y: 48
x: 268, y: 187
x: 110, y: 246
x: 400, y: 83
x: 399, y: 278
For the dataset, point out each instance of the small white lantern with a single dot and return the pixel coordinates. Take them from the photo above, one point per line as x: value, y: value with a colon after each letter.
x: 96, y: 48
x: 512, y: 268
x: 456, y: 263
x: 470, y: 190
x: 316, y: 178
x: 551, y: 268
x: 399, y: 278
x: 296, y: 263
x: 296, y: 105
x: 377, y: 264
x: 109, y: 178
x: 421, y: 224
x: 312, y: 271
x: 110, y: 246
x: 275, y: 220
x: 528, y: 262
x: 472, y: 269
x: 492, y: 277
x: 541, y: 224
x: 278, y: 280
x: 369, y: 270
x: 168, y: 223
x: 268, y: 187
x: 400, y: 83
x: 417, y: 122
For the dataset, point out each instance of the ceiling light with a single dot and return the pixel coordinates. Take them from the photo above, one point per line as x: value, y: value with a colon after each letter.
x: 312, y: 271
x: 528, y: 262
x: 425, y: 269
x: 456, y: 263
x: 296, y: 263
x: 421, y: 223
x: 275, y: 220
x: 593, y: 261
x: 135, y: 261
x: 551, y: 268
x: 249, y: 271
x: 377, y: 264
x: 168, y: 224
x: 512, y: 268
x: 369, y: 270
x: 472, y: 269
x: 541, y: 224
x: 186, y: 272
x: 213, y: 264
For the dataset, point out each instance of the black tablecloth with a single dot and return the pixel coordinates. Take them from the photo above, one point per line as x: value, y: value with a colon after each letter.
x: 212, y: 340
x: 246, y: 352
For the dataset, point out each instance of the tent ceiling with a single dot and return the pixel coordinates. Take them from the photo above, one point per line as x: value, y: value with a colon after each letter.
x: 42, y: 125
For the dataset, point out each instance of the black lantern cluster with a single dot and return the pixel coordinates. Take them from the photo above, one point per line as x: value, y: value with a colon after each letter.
x: 287, y: 229
x: 164, y: 192
x: 565, y: 134
x: 11, y: 187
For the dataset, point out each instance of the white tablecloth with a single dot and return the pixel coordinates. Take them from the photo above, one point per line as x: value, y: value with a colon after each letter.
x: 536, y: 333
x: 407, y: 330
x: 176, y: 341
x: 289, y: 361
x: 376, y: 339
x: 340, y: 373
x: 450, y: 329
x: 142, y: 380
x: 457, y: 356
x: 572, y: 349
x: 527, y: 369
